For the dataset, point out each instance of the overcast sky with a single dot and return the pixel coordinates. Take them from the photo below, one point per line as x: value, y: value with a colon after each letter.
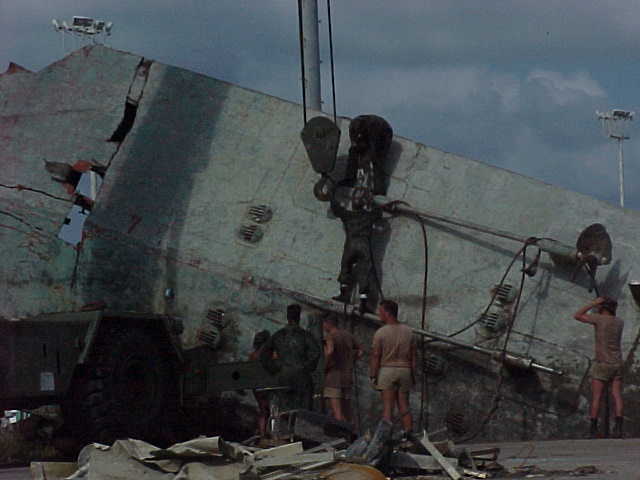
x: 511, y: 83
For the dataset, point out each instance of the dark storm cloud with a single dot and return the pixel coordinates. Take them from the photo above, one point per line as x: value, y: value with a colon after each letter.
x: 210, y: 37
x: 512, y: 83
x: 496, y: 32
x: 541, y: 124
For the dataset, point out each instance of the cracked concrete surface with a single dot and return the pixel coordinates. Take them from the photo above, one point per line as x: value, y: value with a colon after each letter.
x: 202, y: 151
x: 70, y: 125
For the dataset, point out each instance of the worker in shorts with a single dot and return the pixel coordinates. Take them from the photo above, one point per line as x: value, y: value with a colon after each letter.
x: 340, y: 352
x: 607, y: 367
x: 392, y: 364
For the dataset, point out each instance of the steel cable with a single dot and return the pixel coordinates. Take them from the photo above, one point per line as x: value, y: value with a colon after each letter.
x: 304, y: 81
x: 333, y: 79
x: 495, y: 402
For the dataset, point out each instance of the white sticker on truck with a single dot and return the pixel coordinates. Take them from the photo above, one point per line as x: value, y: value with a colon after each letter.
x: 47, y: 383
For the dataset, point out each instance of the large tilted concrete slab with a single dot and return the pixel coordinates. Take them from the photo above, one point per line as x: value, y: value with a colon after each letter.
x: 65, y: 113
x: 163, y: 235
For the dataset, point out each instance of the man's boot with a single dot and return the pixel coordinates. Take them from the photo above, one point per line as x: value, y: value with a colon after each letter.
x: 617, y: 428
x: 345, y: 294
x: 593, y: 431
x: 364, y: 303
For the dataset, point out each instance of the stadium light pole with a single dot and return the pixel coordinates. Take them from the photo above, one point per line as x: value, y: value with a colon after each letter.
x: 613, y: 123
x: 83, y: 26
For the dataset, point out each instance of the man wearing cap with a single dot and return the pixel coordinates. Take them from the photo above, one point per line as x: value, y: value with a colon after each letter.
x: 607, y: 367
x: 293, y: 354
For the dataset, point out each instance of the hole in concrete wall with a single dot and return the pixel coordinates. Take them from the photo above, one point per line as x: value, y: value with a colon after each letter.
x: 218, y: 318
x: 250, y: 233
x: 211, y: 337
x: 63, y: 173
x: 456, y: 421
x: 130, y: 110
x: 260, y: 213
x: 86, y: 193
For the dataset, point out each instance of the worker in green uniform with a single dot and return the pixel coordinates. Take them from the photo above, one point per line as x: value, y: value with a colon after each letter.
x: 293, y: 354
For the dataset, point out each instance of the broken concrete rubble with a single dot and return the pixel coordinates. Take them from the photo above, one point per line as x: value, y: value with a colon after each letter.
x: 131, y: 458
x: 51, y: 470
x: 215, y: 458
x: 378, y: 455
x: 371, y: 457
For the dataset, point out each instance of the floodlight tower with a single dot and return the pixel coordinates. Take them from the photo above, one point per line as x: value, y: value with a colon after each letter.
x: 613, y: 123
x: 83, y: 26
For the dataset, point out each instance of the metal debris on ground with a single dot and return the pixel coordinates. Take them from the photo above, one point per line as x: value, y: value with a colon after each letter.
x: 197, y: 459
x: 378, y: 455
x: 585, y: 470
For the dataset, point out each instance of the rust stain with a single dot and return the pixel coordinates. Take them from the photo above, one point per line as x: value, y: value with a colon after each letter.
x: 13, y: 228
x: 20, y: 188
x: 135, y: 220
x: 14, y: 68
x: 195, y: 262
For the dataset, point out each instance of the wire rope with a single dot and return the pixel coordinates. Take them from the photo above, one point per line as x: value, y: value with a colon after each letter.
x: 495, y: 401
x: 424, y: 417
x: 333, y: 79
x: 304, y: 81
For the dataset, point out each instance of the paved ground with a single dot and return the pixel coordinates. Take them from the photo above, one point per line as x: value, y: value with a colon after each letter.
x: 614, y: 459
x: 15, y: 474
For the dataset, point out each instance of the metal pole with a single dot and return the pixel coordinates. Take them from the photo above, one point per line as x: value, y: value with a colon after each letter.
x: 302, y: 75
x: 546, y: 244
x: 609, y: 120
x: 607, y: 409
x: 621, y: 170
x: 311, y: 54
x: 506, y: 357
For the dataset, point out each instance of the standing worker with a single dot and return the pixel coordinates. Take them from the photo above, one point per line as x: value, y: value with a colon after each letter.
x: 392, y: 364
x: 262, y: 397
x: 293, y: 354
x: 340, y: 351
x: 607, y: 367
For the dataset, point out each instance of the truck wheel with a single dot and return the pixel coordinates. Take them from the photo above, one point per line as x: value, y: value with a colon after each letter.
x: 130, y: 388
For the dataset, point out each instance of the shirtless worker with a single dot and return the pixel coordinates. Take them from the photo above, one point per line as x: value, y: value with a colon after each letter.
x: 392, y: 364
x: 608, y: 363
x: 340, y: 351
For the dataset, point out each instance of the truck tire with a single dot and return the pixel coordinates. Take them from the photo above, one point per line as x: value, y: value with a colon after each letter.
x: 130, y: 389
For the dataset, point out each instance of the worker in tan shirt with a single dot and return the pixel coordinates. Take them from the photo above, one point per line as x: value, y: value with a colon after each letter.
x: 392, y: 364
x: 608, y: 362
